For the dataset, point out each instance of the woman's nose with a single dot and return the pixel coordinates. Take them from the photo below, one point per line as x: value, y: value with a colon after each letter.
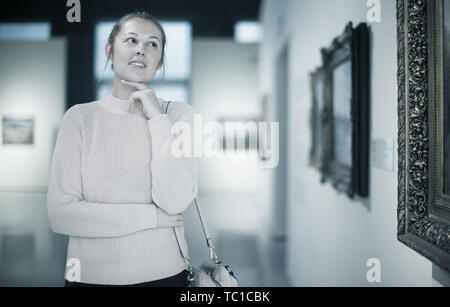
x: 140, y: 50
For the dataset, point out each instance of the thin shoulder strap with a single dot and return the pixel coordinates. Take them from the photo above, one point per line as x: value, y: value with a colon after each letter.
x: 166, y: 106
x: 209, y: 240
x: 208, y: 237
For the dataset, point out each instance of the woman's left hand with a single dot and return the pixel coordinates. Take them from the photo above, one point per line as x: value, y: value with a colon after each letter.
x: 146, y: 96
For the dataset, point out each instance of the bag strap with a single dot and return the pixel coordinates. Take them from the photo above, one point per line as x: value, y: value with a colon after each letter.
x: 165, y: 106
x: 209, y: 241
x: 208, y: 237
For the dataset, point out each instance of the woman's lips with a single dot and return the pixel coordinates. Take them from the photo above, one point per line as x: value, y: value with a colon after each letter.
x: 137, y: 65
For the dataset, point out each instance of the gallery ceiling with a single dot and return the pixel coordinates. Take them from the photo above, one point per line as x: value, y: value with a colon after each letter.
x: 208, y: 17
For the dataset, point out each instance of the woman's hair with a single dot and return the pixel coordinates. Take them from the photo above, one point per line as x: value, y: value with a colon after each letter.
x: 118, y: 26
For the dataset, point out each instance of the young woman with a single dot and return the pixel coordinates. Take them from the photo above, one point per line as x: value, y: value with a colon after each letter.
x: 115, y: 187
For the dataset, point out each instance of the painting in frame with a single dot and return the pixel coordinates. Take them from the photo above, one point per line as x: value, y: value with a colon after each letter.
x: 17, y: 130
x: 423, y: 211
x: 317, y: 116
x: 346, y: 114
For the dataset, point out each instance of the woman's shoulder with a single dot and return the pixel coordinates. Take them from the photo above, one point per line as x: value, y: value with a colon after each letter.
x: 176, y: 108
x: 72, y: 113
x: 80, y: 111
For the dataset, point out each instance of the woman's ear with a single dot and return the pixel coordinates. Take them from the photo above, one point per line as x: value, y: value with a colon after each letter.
x: 107, y: 50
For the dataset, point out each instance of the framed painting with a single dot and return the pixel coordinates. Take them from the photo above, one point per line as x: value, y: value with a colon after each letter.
x: 17, y: 130
x: 346, y: 111
x: 317, y: 116
x: 423, y: 32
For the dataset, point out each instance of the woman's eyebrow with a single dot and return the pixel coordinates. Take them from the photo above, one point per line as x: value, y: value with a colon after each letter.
x: 132, y: 33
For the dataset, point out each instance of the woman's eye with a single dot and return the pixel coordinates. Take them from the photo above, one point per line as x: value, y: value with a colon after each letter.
x: 131, y: 39
x: 153, y: 44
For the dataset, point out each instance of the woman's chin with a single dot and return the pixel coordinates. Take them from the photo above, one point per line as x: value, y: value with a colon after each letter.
x: 134, y: 78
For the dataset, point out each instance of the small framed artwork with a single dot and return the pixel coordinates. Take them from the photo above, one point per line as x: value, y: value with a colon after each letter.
x: 239, y: 133
x: 317, y: 116
x: 423, y: 211
x: 17, y: 130
x: 346, y: 111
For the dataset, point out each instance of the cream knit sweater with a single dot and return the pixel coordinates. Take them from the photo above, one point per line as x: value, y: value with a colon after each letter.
x: 110, y: 169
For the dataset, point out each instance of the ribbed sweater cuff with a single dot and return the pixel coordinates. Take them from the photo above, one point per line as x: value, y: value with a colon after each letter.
x: 146, y: 217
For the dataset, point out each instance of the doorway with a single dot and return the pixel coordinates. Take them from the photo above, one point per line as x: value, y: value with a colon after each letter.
x: 279, y: 227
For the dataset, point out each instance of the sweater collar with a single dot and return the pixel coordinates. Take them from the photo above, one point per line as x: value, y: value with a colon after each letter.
x: 115, y: 105
x: 118, y: 105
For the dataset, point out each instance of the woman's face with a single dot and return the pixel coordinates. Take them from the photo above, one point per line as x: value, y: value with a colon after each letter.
x: 137, y: 51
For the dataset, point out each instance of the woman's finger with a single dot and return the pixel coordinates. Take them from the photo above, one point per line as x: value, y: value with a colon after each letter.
x: 134, y: 98
x: 179, y: 224
x: 176, y: 220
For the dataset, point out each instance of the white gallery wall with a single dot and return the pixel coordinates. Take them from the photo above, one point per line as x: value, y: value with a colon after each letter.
x: 224, y: 83
x: 330, y: 237
x: 32, y: 85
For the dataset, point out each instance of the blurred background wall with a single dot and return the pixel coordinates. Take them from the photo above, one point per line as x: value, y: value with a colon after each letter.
x: 32, y: 86
x: 330, y: 237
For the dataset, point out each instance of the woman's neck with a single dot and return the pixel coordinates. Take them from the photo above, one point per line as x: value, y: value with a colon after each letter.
x: 121, y: 90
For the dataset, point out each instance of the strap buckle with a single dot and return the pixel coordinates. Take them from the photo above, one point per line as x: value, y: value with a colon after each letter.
x: 213, y: 255
x: 188, y: 265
